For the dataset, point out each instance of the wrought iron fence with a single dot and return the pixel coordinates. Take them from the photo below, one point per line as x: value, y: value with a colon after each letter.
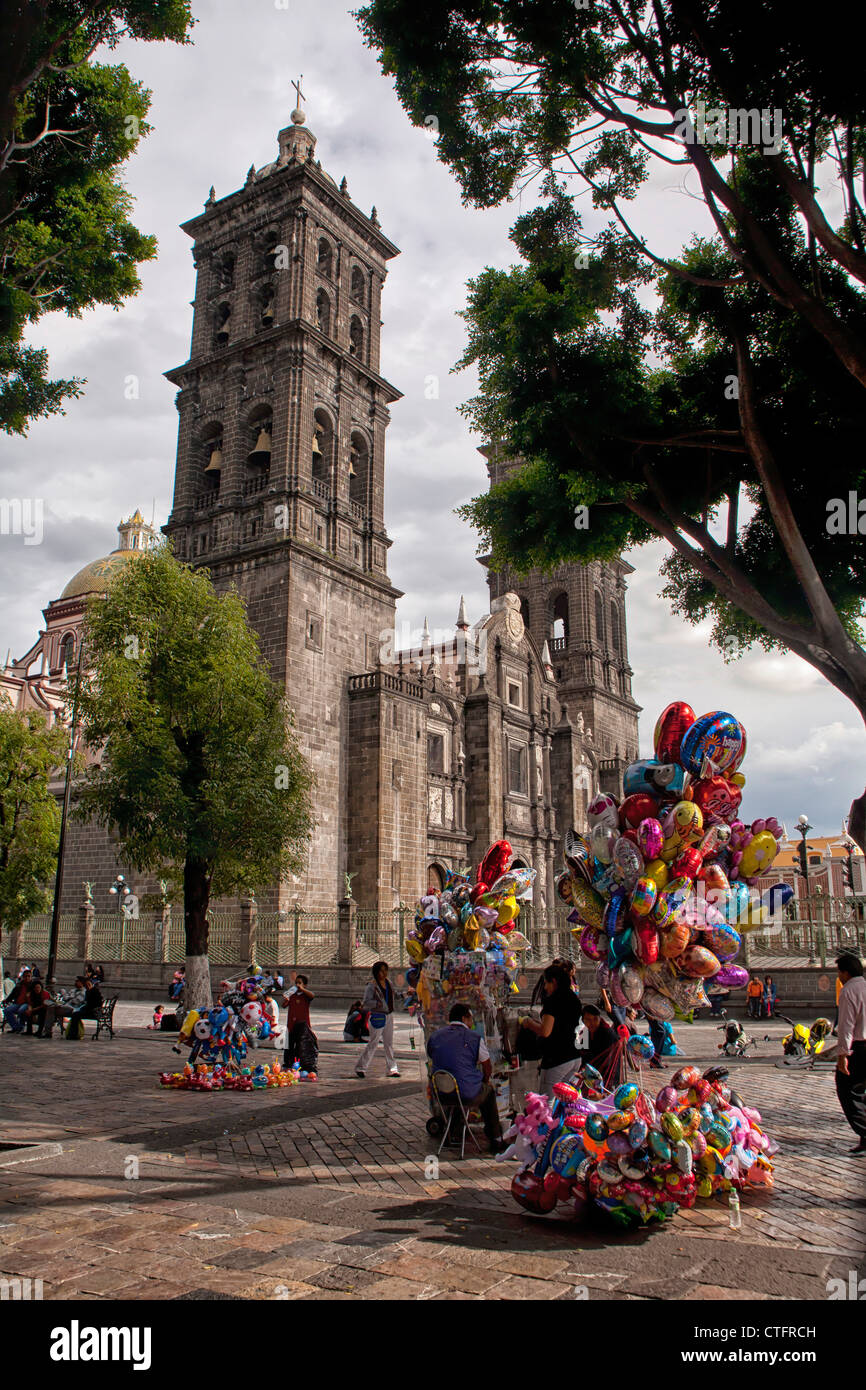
x: 381, y: 936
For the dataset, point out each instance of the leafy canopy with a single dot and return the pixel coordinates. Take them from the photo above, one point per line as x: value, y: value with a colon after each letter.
x: 715, y: 397
x: 30, y: 754
x: 67, y: 124
x: 197, y: 759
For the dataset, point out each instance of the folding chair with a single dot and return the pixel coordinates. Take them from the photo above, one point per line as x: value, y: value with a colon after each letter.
x: 450, y: 1102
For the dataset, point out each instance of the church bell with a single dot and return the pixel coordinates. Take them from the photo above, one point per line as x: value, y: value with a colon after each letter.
x: 261, y: 454
x: 317, y: 451
x: 215, y: 462
x: 268, y: 314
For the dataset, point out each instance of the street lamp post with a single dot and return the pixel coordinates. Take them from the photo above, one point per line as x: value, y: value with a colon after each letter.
x: 804, y: 827
x: 64, y: 817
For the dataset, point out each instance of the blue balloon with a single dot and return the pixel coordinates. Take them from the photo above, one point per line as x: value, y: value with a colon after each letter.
x: 619, y: 948
x: 717, y: 737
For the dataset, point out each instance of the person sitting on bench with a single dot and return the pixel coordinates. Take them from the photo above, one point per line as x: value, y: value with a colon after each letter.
x: 455, y: 1048
x: 89, y: 1009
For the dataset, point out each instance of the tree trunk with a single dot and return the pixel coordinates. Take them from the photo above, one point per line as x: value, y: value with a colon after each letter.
x: 196, y: 897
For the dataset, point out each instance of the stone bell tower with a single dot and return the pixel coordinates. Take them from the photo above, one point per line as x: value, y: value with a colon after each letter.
x: 279, y: 486
x: 580, y: 612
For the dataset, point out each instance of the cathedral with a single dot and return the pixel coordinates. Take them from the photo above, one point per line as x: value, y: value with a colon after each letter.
x: 422, y: 757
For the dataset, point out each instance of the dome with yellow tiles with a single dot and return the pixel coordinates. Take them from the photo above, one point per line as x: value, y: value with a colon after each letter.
x: 135, y: 536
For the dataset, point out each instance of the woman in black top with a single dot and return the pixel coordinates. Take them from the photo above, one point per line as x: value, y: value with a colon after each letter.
x: 560, y: 1015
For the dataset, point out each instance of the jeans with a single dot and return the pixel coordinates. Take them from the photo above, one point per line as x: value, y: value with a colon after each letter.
x: 15, y: 1016
x: 854, y: 1105
x: 387, y: 1036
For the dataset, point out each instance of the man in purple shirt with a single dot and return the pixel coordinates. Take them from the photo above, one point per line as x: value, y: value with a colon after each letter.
x: 851, y: 1060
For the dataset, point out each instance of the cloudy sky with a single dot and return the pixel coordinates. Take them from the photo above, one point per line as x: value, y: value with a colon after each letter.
x: 217, y: 107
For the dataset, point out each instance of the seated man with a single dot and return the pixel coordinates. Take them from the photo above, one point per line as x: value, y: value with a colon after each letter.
x: 39, y: 1002
x: 59, y: 1009
x: 355, y: 1028
x: 17, y: 1004
x: 602, y: 1051
x: 458, y: 1050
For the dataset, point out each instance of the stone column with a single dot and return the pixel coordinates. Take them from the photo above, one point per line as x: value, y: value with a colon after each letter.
x: 86, y: 914
x: 347, y: 907
x: 249, y: 922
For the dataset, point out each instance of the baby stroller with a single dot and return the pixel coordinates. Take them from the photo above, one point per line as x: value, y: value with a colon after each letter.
x: 736, y: 1039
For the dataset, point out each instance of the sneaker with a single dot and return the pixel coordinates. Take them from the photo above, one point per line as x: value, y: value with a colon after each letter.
x: 393, y: 1072
x: 360, y: 1075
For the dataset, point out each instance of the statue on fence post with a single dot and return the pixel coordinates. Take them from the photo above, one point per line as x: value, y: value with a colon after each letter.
x: 347, y: 878
x: 88, y: 893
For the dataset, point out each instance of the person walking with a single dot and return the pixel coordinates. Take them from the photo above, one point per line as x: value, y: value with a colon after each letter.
x: 754, y: 995
x: 769, y: 996
x: 560, y: 1015
x: 378, y: 1002
x: 851, y: 1055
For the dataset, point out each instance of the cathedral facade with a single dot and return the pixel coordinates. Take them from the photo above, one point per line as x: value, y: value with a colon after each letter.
x: 421, y: 757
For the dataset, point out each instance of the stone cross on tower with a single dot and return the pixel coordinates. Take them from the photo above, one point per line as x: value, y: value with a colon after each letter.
x: 298, y: 92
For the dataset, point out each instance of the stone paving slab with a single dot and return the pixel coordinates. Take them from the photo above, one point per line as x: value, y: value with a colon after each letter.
x: 329, y: 1191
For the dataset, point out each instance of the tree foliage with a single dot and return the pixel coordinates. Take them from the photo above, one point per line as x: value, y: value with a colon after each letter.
x: 67, y: 124
x: 198, y: 772
x: 30, y: 753
x: 715, y: 397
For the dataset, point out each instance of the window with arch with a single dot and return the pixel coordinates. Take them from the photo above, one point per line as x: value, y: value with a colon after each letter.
x: 270, y: 246
x: 265, y: 300
x: 323, y: 445
x: 435, y: 878
x: 615, y: 629
x: 524, y: 611
x: 599, y: 617
x: 356, y: 337
x: 259, y: 432
x: 323, y: 311
x: 225, y: 270
x: 325, y: 258
x: 210, y: 458
x: 358, y: 291
x: 359, y: 467
x: 67, y: 653
x: 222, y: 330
x: 559, y: 618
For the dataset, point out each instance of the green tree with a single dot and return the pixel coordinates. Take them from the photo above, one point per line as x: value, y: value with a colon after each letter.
x: 198, y: 769
x: 30, y: 753
x: 712, y: 398
x: 67, y: 124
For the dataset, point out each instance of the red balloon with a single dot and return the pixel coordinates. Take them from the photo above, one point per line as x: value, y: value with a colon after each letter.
x: 670, y: 729
x: 688, y: 863
x: 636, y: 808
x: 495, y: 862
x: 718, y: 798
x: 646, y: 941
x: 529, y: 1191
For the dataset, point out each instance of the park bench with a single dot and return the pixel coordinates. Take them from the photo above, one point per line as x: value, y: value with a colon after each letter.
x: 104, y: 1017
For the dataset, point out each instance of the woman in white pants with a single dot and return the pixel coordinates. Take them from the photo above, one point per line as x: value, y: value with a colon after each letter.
x: 379, y: 1001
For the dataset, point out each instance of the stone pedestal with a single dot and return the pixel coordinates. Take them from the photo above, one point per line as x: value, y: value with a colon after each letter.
x: 347, y: 908
x: 84, y: 945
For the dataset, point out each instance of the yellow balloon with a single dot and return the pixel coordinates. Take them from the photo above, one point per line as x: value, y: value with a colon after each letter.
x: 414, y: 950
x: 508, y: 910
x: 758, y: 854
x: 659, y: 872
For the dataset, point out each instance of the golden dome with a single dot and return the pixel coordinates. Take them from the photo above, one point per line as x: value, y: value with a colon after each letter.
x: 93, y: 579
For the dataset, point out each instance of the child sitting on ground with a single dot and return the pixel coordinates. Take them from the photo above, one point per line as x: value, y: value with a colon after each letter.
x: 157, y: 1017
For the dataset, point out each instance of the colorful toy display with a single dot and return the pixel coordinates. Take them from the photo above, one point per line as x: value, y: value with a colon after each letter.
x: 634, y: 1158
x: 220, y: 1078
x: 662, y: 886
x: 217, y: 1039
